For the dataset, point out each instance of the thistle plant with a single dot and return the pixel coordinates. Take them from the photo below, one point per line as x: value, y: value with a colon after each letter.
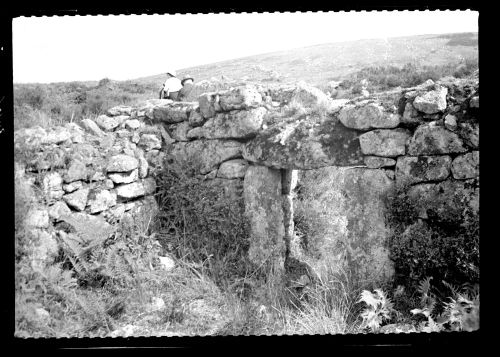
x: 378, y: 309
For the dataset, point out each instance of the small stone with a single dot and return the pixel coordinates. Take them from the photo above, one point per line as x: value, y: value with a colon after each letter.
x: 167, y: 263
x: 92, y: 127
x: 431, y: 102
x: 466, y: 166
x: 71, y: 187
x: 97, y: 176
x: 195, y: 119
x: 240, y: 98
x: 166, y: 136
x: 150, y: 142
x: 430, y: 139
x: 110, y: 123
x: 125, y: 331
x: 76, y: 171
x: 474, y: 102
x: 117, y: 211
x: 133, y: 124
x: 423, y: 168
x: 77, y: 199
x: 410, y: 114
x: 207, y: 103
x: 107, y: 141
x: 101, y: 200
x: 143, y: 167
x: 174, y: 112
x: 124, y: 177
x: 123, y: 133
x: 375, y: 162
x: 122, y: 163
x: 57, y: 136
x: 450, y: 122
x: 367, y: 116
x: 58, y: 209
x: 180, y: 131
x: 108, y: 184
x: 157, y: 303
x: 42, y: 314
x: 136, y: 189
x: 384, y: 142
x: 136, y: 137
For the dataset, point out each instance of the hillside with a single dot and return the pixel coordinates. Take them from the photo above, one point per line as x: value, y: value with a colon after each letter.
x: 381, y: 63
x: 335, y: 61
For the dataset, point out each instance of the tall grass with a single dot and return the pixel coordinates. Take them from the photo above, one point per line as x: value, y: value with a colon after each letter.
x: 327, y: 307
x: 66, y: 102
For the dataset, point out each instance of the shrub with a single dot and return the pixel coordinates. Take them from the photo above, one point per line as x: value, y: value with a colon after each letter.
x: 33, y: 96
x: 446, y: 249
x: 94, y: 105
x: 201, y: 223
x: 103, y: 82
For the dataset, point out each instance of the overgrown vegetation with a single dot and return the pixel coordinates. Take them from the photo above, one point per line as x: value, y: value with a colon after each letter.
x: 203, y: 223
x: 381, y: 78
x: 444, y: 248
x: 52, y: 104
x: 460, y: 312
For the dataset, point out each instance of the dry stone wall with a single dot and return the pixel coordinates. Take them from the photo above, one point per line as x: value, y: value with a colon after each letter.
x: 252, y: 140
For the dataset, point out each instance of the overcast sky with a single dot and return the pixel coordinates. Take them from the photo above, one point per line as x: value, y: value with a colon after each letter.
x: 70, y: 48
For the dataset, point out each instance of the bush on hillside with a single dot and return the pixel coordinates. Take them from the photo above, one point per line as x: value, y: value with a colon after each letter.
x: 33, y: 96
x: 386, y: 77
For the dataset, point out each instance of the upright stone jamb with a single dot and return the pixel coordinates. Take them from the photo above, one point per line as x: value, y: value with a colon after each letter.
x: 262, y: 192
x: 289, y: 180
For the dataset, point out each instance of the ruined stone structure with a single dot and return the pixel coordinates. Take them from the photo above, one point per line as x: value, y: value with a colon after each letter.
x: 257, y: 139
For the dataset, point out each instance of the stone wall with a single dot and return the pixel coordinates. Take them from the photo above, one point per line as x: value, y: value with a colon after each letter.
x: 255, y: 138
x: 425, y: 136
x: 97, y: 173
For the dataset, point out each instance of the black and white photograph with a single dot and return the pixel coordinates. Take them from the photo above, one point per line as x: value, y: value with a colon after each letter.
x: 246, y: 174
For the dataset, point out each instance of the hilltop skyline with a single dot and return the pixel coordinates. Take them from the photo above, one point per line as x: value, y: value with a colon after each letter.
x: 86, y: 48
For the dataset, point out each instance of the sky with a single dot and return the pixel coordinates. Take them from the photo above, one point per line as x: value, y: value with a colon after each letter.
x: 87, y: 48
